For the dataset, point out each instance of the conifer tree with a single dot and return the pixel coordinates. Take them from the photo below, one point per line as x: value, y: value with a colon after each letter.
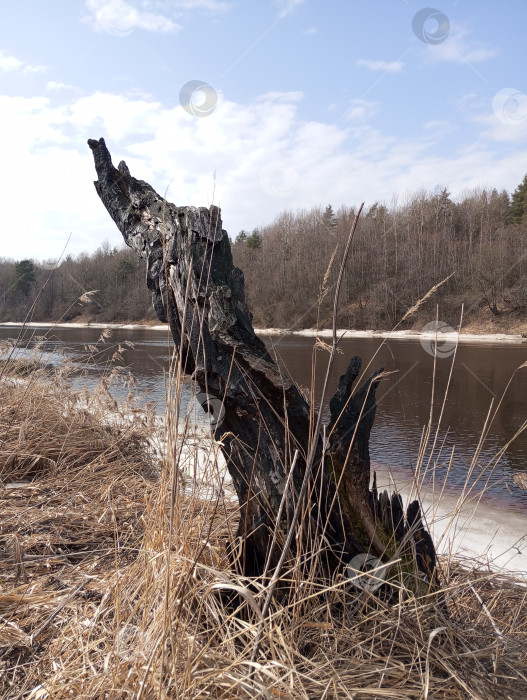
x: 519, y: 203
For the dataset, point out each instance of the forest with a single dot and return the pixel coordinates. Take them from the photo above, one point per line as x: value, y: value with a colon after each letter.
x: 401, y: 250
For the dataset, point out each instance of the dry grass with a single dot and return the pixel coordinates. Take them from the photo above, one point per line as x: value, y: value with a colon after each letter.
x: 114, y: 583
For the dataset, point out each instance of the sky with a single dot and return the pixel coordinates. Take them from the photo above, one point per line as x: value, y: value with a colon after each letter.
x: 258, y: 106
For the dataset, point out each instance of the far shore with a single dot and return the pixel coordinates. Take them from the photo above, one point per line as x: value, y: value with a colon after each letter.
x: 452, y: 336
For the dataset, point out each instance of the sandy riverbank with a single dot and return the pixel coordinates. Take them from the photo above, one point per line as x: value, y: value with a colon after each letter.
x: 126, y: 326
x: 399, y: 335
x: 442, y: 337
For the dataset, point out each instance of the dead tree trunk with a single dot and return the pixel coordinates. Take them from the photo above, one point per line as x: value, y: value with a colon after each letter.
x: 198, y: 291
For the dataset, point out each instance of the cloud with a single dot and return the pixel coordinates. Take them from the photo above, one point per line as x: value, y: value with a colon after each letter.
x: 439, y: 128
x: 120, y: 18
x: 458, y: 48
x: 265, y: 156
x: 310, y: 31
x: 288, y: 6
x: 505, y: 118
x: 437, y: 124
x: 385, y: 66
x: 11, y: 63
x: 53, y: 86
x: 360, y: 110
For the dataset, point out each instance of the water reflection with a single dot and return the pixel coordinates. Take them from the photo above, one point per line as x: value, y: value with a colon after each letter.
x: 479, y: 378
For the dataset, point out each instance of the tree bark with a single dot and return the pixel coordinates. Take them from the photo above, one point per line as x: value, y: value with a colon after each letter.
x: 198, y: 291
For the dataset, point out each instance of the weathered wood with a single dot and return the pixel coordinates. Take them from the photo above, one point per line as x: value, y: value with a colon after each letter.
x: 198, y: 291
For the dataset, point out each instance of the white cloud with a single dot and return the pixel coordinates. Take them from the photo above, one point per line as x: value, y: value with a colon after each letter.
x: 437, y: 124
x: 53, y: 86
x: 502, y: 116
x: 281, y: 97
x: 385, y: 66
x: 438, y: 130
x: 288, y: 6
x: 458, y: 48
x: 505, y: 122
x: 266, y: 159
x: 360, y: 110
x: 11, y: 63
x: 120, y: 18
x: 310, y: 31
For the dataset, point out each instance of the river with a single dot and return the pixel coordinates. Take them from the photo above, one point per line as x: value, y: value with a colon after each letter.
x: 479, y: 377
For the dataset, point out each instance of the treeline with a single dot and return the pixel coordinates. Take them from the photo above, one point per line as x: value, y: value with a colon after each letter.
x: 108, y: 285
x: 399, y: 253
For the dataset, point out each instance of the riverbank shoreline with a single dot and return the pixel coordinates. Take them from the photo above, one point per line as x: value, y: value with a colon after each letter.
x: 442, y: 336
x: 124, y: 326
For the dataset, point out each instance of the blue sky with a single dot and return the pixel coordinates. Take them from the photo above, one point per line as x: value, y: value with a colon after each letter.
x: 306, y: 103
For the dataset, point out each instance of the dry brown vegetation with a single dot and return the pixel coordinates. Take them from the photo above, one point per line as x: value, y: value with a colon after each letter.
x: 401, y: 250
x: 114, y: 582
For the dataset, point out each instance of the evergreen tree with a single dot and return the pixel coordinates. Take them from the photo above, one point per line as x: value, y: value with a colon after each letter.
x: 254, y: 241
x: 124, y: 269
x: 330, y: 220
x: 372, y: 211
x: 519, y: 203
x: 24, y: 277
x: 377, y: 212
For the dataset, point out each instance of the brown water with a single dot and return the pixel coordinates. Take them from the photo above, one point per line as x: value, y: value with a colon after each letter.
x: 479, y: 376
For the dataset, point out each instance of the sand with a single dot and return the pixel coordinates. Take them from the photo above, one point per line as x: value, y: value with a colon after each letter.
x: 399, y: 335
x: 308, y: 332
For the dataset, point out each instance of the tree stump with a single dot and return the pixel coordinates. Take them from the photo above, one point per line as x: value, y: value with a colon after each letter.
x: 198, y: 291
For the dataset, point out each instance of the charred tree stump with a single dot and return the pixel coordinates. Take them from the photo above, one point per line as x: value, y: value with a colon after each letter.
x: 198, y: 291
